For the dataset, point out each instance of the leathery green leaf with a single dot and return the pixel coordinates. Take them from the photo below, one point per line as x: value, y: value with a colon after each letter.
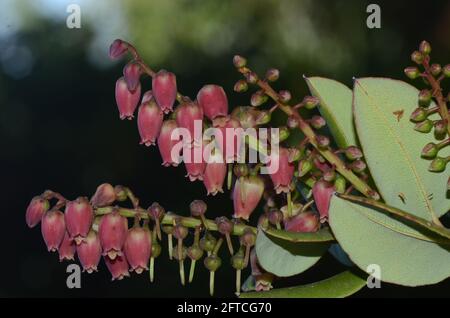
x: 323, y: 235
x: 405, y: 253
x: 392, y: 148
x: 284, y: 258
x: 336, y: 108
x: 338, y: 286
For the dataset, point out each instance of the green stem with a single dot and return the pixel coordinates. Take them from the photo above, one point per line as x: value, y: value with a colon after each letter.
x: 170, y: 245
x: 192, y: 270
x: 229, y: 176
x: 238, y: 282
x: 211, y: 283
x: 152, y: 269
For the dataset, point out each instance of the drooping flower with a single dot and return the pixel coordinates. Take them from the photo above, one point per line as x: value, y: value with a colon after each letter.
x: 79, y: 217
x: 231, y: 133
x: 118, y: 267
x: 103, y: 196
x: 188, y: 115
x: 302, y: 222
x: 146, y: 97
x: 263, y: 279
x: 282, y: 177
x: 137, y: 248
x: 247, y: 193
x: 132, y: 73
x: 322, y: 192
x: 89, y: 252
x: 126, y: 101
x: 112, y: 231
x: 166, y: 144
x: 67, y: 248
x: 117, y: 49
x: 164, y: 86
x: 35, y: 210
x: 213, y: 101
x: 150, y: 119
x: 194, y: 161
x: 215, y: 173
x: 53, y: 229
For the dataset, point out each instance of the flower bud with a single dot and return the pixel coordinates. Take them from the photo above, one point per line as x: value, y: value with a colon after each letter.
x: 131, y: 74
x: 112, y: 231
x: 180, y: 232
x: 148, y: 96
x: 322, y: 192
x: 89, y: 252
x: 438, y: 164
x: 212, y: 262
x: 137, y: 248
x: 303, y: 222
x: 353, y: 153
x: 164, y: 86
x: 340, y: 184
x: 247, y: 193
x: 186, y: 115
x: 430, y: 151
x: 67, y: 249
x: 435, y: 69
x: 156, y: 211
x: 240, y: 170
x: 275, y: 217
x: 417, y: 57
x: 35, y: 210
x: 323, y: 142
x: 251, y: 77
x: 150, y: 119
x: 424, y: 126
x: 121, y: 193
x: 258, y: 99
x: 304, y: 166
x: 195, y: 165
x: 292, y: 122
x: 284, y: 96
x: 229, y: 129
x: 358, y: 166
x: 198, y: 208
x: 215, y: 173
x: 126, y: 101
x: 440, y: 129
x: 272, y: 74
x: 283, y: 176
x: 117, y: 49
x: 166, y: 144
x: 446, y: 70
x: 53, y: 229
x: 78, y: 217
x: 412, y: 72
x: 238, y: 261
x: 311, y: 102
x: 213, y: 101
x: 239, y: 61
x: 241, y: 86
x: 425, y: 47
x: 283, y: 133
x: 248, y: 238
x: 156, y: 249
x: 418, y: 115
x: 118, y: 267
x: 103, y: 196
x: 194, y: 252
x: 208, y: 242
x: 224, y: 225
x: 318, y: 122
x: 329, y: 175
x: 425, y: 98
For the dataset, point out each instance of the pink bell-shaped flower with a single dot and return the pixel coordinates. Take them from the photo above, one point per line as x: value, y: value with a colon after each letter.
x: 194, y: 161
x: 35, y: 210
x: 164, y: 86
x: 150, y: 119
x: 189, y: 116
x: 67, y: 249
x: 112, y: 231
x: 53, y: 229
x: 132, y: 73
x: 103, y: 196
x: 283, y: 176
x: 137, y: 248
x: 126, y: 101
x: 322, y: 192
x: 118, y: 267
x: 89, y: 252
x: 166, y: 144
x: 117, y: 49
x: 215, y: 172
x: 213, y: 101
x: 78, y: 216
x: 302, y: 222
x: 230, y: 143
x: 247, y: 193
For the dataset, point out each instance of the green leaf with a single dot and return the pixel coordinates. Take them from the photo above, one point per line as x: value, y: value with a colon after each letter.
x: 336, y: 108
x: 407, y: 255
x: 384, y: 208
x: 323, y: 235
x: 339, y: 286
x: 284, y: 258
x: 392, y: 148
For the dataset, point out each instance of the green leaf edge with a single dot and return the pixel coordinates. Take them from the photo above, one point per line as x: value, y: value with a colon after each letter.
x: 339, y: 286
x: 323, y: 235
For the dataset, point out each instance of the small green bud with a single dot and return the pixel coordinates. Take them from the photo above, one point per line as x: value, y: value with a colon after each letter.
x: 207, y: 242
x: 156, y: 249
x: 412, y: 72
x: 318, y: 122
x: 239, y: 61
x: 263, y: 117
x: 224, y: 225
x: 212, y: 262
x: 425, y: 98
x: 340, y: 184
x: 311, y: 102
x: 248, y: 238
x: 440, y: 129
x: 251, y: 78
x: 438, y: 164
x: 446, y: 70
x: 180, y: 232
x: 425, y: 47
x: 168, y: 229
x: 238, y: 261
x: 358, y: 166
x: 272, y: 75
x: 292, y: 122
x: 418, y: 115
x: 198, y: 208
x: 263, y: 221
x: 121, y: 194
x: 195, y: 252
x: 304, y: 166
x: 275, y: 216
x: 424, y: 127
x: 284, y: 96
x: 417, y: 57
x: 241, y: 86
x: 430, y: 151
x: 284, y: 133
x: 240, y: 170
x: 353, y: 153
x: 258, y: 99
x: 329, y: 175
x: 435, y: 69
x: 322, y: 141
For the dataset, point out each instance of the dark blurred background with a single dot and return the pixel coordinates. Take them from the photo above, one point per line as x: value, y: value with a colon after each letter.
x: 59, y: 124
